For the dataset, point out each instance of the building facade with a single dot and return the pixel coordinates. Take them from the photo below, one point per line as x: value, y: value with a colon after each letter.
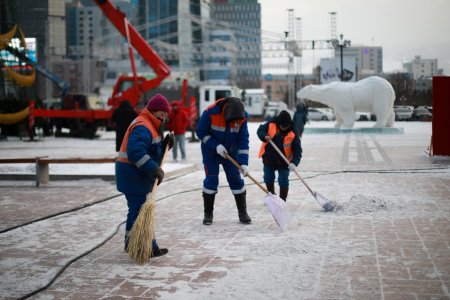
x: 244, y: 17
x: 422, y: 68
x: 44, y: 20
x: 369, y: 60
x: 173, y: 28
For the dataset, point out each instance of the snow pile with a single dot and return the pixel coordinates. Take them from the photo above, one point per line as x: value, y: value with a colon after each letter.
x: 359, y: 204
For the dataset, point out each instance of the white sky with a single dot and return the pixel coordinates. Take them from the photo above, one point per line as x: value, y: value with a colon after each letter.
x: 404, y: 28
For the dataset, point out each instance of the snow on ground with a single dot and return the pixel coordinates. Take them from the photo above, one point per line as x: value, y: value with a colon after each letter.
x: 388, y: 237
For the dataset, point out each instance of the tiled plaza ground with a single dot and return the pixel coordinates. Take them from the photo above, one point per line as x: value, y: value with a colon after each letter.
x: 388, y: 239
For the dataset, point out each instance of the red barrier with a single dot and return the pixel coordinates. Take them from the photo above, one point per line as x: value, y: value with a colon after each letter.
x: 441, y: 116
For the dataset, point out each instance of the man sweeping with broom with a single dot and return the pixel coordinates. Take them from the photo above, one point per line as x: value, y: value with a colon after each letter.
x: 139, y: 159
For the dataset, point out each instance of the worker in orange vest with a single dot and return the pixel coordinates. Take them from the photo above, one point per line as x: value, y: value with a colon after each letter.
x: 138, y: 163
x: 280, y: 131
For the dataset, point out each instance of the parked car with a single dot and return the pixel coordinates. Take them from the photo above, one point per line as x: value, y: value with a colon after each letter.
x: 318, y: 114
x: 421, y: 113
x: 271, y: 112
x: 403, y: 113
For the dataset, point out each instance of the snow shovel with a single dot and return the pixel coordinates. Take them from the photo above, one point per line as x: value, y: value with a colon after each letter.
x: 275, y: 204
x: 324, y: 202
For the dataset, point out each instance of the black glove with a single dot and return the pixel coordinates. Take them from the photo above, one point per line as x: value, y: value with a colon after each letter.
x: 158, y: 174
x: 168, y: 140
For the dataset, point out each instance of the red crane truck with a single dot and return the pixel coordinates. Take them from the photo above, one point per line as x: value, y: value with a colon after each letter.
x: 132, y: 88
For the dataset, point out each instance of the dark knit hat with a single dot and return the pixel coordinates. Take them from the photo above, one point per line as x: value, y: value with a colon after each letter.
x: 234, y: 109
x: 284, y: 118
x: 158, y: 103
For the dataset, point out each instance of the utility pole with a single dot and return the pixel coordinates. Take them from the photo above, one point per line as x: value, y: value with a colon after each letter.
x: 341, y: 43
x: 298, y: 37
x: 289, y: 44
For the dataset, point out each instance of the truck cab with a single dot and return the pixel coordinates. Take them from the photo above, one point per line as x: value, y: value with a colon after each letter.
x: 208, y: 94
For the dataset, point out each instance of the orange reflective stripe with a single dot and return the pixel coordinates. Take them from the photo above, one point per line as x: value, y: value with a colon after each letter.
x: 218, y: 122
x: 148, y: 122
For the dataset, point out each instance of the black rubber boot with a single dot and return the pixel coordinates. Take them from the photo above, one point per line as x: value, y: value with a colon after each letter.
x: 241, y: 203
x: 284, y: 192
x: 159, y: 252
x: 208, y: 203
x: 271, y: 187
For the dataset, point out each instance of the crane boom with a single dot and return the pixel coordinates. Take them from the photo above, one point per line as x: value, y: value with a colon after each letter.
x: 161, y: 69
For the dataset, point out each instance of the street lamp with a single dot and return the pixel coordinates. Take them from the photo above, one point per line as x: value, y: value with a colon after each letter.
x: 341, y: 43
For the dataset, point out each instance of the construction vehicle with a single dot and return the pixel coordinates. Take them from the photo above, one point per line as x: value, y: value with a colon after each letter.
x: 131, y: 88
x: 60, y: 83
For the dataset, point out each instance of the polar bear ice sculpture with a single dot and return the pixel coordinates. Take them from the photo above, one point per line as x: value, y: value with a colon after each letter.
x: 373, y: 94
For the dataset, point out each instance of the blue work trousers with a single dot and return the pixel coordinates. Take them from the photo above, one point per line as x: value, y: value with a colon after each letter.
x: 134, y: 203
x: 211, y: 181
x: 283, y: 176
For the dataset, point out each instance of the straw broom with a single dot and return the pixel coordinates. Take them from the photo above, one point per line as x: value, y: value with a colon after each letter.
x: 142, y: 234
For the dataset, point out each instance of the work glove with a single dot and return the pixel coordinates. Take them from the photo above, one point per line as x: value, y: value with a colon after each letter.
x: 168, y: 140
x: 244, y: 170
x: 221, y: 150
x: 292, y: 167
x: 157, y: 174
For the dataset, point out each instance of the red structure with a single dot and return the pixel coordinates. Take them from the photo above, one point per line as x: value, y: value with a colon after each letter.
x: 440, y: 141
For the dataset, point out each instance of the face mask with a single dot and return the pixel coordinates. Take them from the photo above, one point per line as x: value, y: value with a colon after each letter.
x: 163, y: 125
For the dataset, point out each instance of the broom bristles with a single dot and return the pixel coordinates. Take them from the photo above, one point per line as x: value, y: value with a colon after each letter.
x: 142, y: 234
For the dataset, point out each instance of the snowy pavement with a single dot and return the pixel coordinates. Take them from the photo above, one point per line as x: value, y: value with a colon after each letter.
x: 389, y: 237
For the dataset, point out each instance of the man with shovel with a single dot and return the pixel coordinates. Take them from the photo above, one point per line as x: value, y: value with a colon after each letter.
x: 223, y: 131
x: 279, y: 130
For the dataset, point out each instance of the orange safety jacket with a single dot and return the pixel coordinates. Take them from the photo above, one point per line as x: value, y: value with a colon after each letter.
x: 287, y: 143
x: 140, y: 120
x: 218, y: 120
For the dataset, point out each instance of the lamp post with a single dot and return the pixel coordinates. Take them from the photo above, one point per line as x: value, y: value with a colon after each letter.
x: 341, y: 43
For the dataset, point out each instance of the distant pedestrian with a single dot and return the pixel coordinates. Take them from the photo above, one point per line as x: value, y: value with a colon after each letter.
x: 178, y: 122
x: 300, y: 119
x: 279, y: 130
x: 223, y: 129
x: 138, y: 162
x: 122, y: 118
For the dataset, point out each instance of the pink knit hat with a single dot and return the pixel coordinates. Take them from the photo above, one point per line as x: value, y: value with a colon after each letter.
x: 158, y: 103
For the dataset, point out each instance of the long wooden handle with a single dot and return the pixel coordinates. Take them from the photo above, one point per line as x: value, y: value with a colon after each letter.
x: 248, y: 174
x: 288, y: 162
x: 162, y: 161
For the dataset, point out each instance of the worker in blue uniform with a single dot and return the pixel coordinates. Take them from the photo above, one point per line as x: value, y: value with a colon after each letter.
x: 138, y: 163
x: 223, y: 130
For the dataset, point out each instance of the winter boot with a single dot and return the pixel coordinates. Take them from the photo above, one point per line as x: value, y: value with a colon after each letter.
x: 159, y: 252
x: 208, y: 203
x: 156, y: 251
x: 284, y: 192
x: 271, y: 187
x: 241, y: 204
x: 127, y: 238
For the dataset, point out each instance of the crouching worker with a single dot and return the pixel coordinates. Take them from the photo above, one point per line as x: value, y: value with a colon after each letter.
x: 280, y: 131
x: 139, y: 159
x: 223, y: 131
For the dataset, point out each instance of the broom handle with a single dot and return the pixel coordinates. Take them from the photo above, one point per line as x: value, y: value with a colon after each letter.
x: 248, y: 174
x: 162, y: 161
x: 288, y: 162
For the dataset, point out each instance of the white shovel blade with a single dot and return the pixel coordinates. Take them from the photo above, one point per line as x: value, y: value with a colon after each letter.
x: 279, y: 210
